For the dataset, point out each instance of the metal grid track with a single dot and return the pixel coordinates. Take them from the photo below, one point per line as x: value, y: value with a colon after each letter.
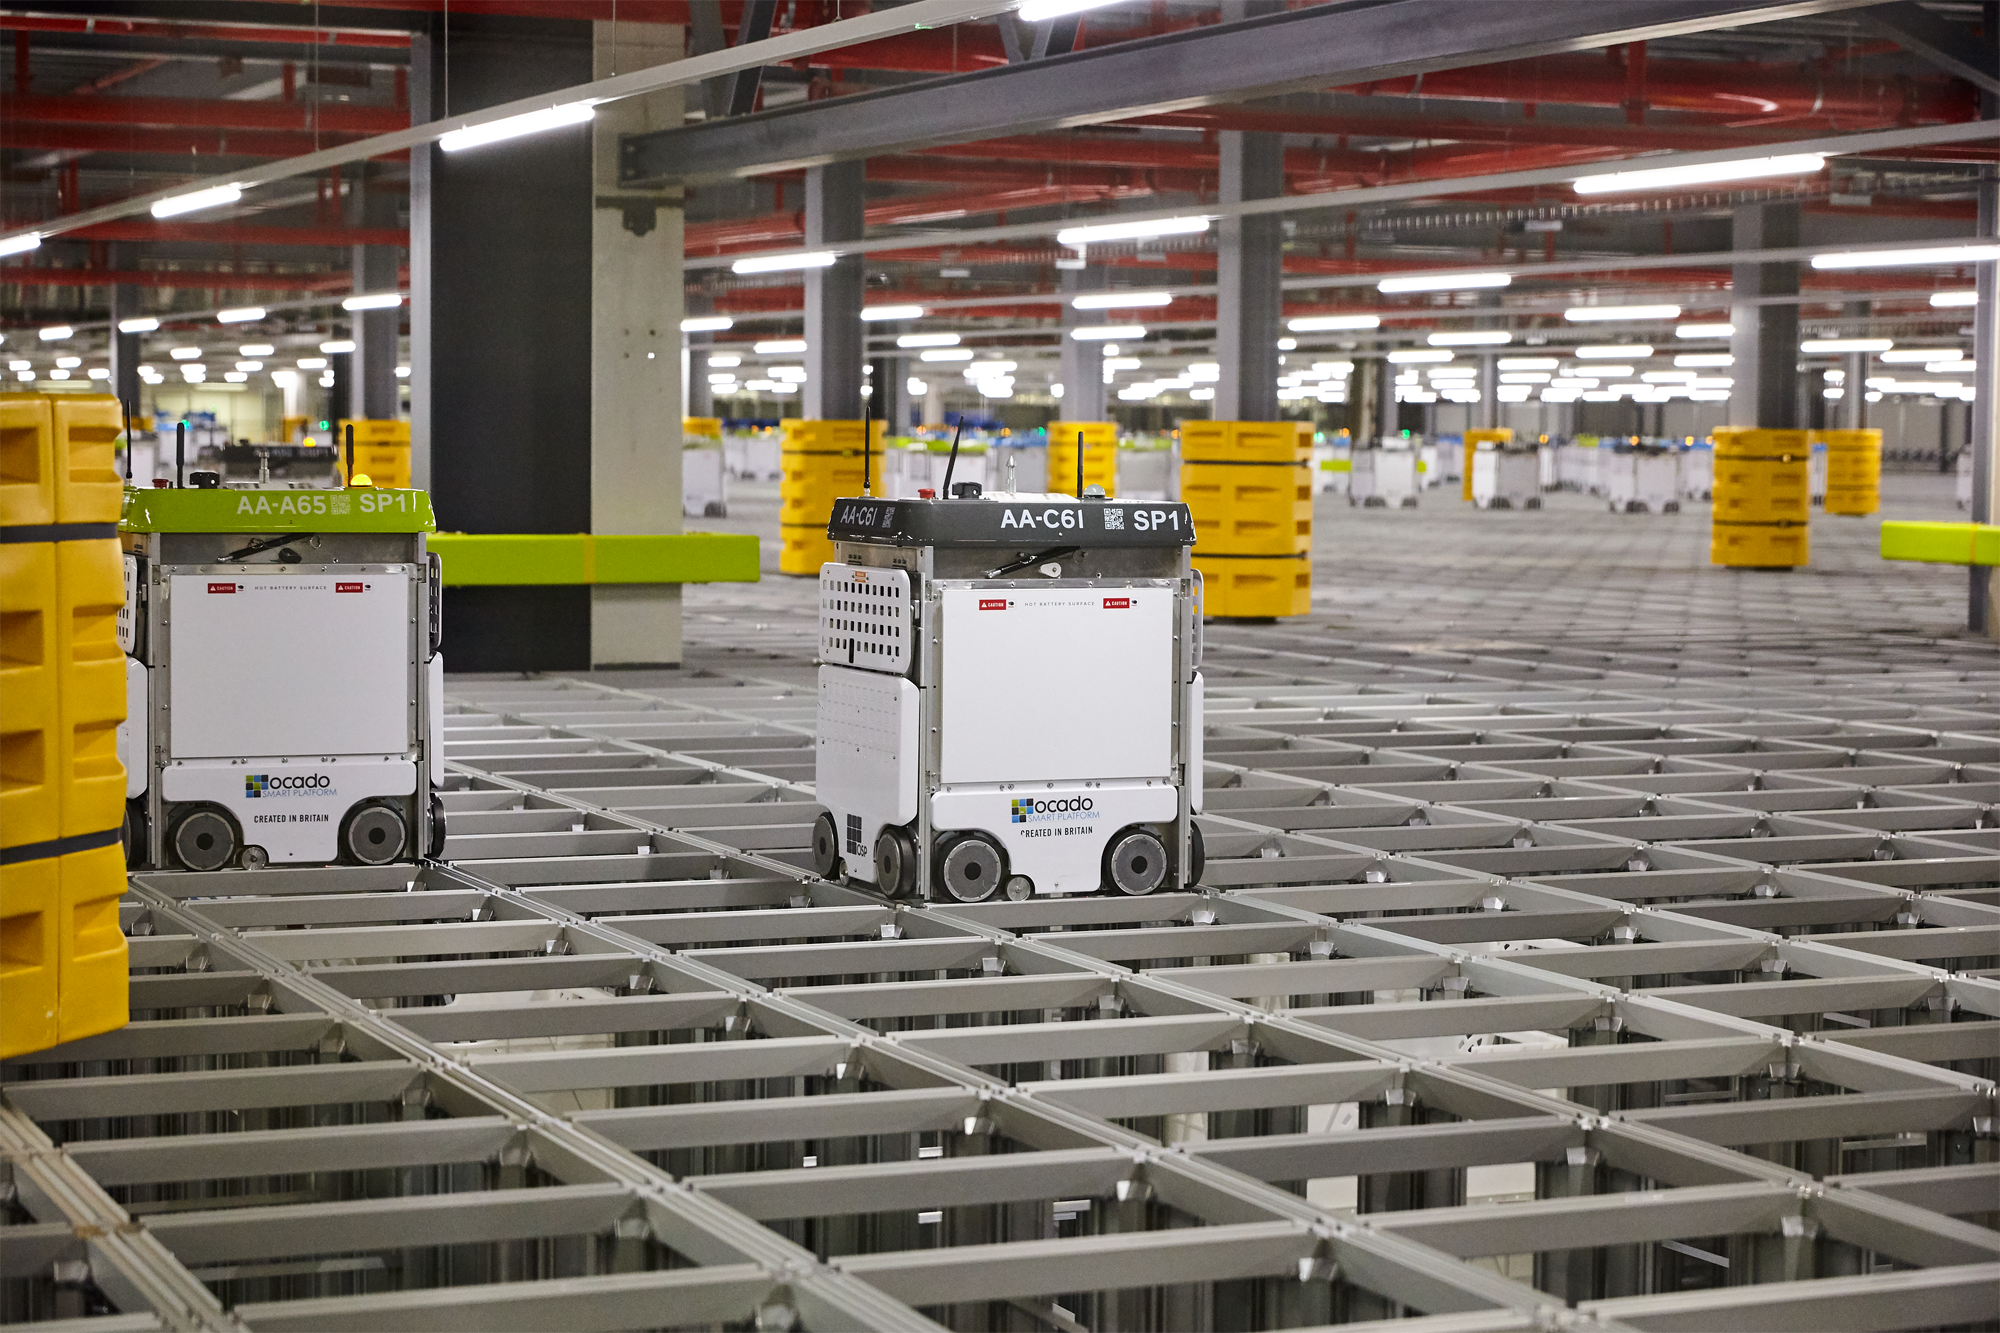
x: 1659, y: 984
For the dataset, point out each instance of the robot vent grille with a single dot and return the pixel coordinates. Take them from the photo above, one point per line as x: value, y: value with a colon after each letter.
x: 864, y: 618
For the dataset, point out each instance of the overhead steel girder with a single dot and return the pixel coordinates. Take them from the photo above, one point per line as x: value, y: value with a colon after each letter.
x: 1950, y: 46
x: 1294, y: 51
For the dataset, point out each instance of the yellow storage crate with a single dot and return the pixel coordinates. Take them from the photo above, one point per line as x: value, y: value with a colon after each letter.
x: 1756, y: 442
x: 804, y: 548
x: 90, y: 702
x: 1255, y: 587
x: 803, y: 436
x: 385, y: 465
x: 701, y: 428
x: 1246, y: 441
x: 372, y: 430
x: 27, y: 461
x: 30, y: 978
x: 1100, y: 456
x: 1853, y: 471
x: 1853, y: 501
x: 1761, y: 491
x: 84, y: 431
x: 91, y: 971
x: 1473, y: 439
x: 1759, y: 545
x: 30, y: 801
x: 1249, y: 509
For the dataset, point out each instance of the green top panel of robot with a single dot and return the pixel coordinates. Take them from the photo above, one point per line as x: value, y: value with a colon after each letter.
x: 360, y: 509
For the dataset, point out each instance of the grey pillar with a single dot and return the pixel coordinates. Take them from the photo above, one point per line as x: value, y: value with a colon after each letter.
x: 124, y: 346
x: 1249, y: 256
x: 700, y: 398
x: 835, y: 346
x: 1489, y: 391
x: 1981, y: 615
x: 1082, y: 363
x: 373, y: 394
x: 1853, y: 413
x: 637, y: 289
x: 1766, y: 342
x: 885, y: 400
x: 501, y: 329
x: 1386, y: 414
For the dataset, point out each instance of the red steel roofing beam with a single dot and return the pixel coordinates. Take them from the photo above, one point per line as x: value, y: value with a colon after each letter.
x: 206, y: 113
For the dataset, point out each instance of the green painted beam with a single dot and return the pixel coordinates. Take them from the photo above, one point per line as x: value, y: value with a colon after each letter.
x: 480, y: 559
x: 1942, y: 543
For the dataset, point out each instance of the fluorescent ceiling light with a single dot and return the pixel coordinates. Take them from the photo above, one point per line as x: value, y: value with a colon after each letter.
x: 1820, y: 346
x: 928, y: 340
x: 69, y: 362
x: 778, y: 346
x: 724, y: 360
x: 99, y: 373
x: 1416, y: 356
x: 337, y: 346
x: 884, y: 312
x: 1608, y: 350
x: 198, y: 200
x: 1442, y: 282
x: 185, y: 353
x: 1667, y: 178
x: 1705, y: 359
x: 1121, y: 300
x: 1951, y: 300
x: 235, y: 377
x: 1470, y: 338
x: 402, y: 373
x: 373, y: 301
x: 241, y: 315
x: 785, y: 263
x: 20, y: 245
x: 1331, y: 323
x: 257, y: 349
x: 55, y: 333
x: 1131, y: 231
x: 706, y: 324
x: 1602, y: 371
x: 1036, y: 11
x: 949, y: 354
x: 144, y: 324
x: 249, y: 365
x: 1117, y: 363
x: 989, y: 368
x: 1581, y: 314
x: 1101, y: 332
x: 312, y: 363
x: 1526, y: 377
x: 1929, y: 254
x: 1528, y: 363
x: 1704, y: 330
x: 915, y: 387
x: 1902, y: 356
x: 513, y: 127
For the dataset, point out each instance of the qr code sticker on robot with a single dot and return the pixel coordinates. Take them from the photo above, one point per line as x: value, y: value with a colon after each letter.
x: 1114, y: 520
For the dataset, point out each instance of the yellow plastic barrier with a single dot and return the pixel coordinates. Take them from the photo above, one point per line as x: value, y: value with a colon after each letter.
x: 1473, y: 439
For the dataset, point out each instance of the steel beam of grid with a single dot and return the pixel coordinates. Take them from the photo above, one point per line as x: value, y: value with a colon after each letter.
x: 1658, y: 982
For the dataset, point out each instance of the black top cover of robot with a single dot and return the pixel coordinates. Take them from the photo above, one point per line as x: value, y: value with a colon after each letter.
x: 1000, y: 520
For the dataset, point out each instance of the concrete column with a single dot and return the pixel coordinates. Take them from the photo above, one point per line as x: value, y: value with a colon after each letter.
x: 1766, y: 342
x: 1853, y: 413
x: 1249, y: 253
x: 1386, y: 415
x: 1082, y: 363
x: 500, y: 326
x: 1982, y: 613
x: 636, y: 297
x: 696, y: 396
x: 124, y: 346
x: 374, y: 395
x: 885, y: 399
x: 835, y: 347
x: 1489, y: 391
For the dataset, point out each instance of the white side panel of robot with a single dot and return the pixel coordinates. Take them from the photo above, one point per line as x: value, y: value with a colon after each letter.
x: 1055, y: 832
x: 1092, y: 671
x: 866, y: 751
x: 291, y: 808
x: 864, y: 617
x: 134, y: 733
x: 290, y: 666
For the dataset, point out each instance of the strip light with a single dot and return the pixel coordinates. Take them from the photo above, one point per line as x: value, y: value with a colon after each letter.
x: 1470, y: 338
x: 1331, y: 323
x: 214, y: 197
x: 707, y: 324
x: 1667, y: 178
x: 55, y: 333
x: 1106, y: 332
x: 241, y: 315
x: 1416, y: 356
x: 1121, y: 300
x: 778, y: 346
x: 513, y: 127
x: 20, y: 245
x: 785, y: 263
x: 1038, y: 11
x: 1821, y: 346
x: 1704, y: 330
x: 373, y: 301
x: 1528, y: 363
x: 1953, y: 300
x: 872, y: 313
x: 1605, y: 351
x: 1927, y: 356
x: 1929, y: 254
x: 144, y: 324
x: 1131, y: 231
x: 928, y: 340
x: 1443, y: 282
x: 337, y: 346
x: 1582, y: 314
x: 1696, y: 360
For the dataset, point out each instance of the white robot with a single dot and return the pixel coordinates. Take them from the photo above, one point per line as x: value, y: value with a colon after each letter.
x: 1009, y: 699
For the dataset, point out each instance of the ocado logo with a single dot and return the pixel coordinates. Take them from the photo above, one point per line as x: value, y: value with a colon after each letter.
x: 261, y: 784
x: 1024, y: 806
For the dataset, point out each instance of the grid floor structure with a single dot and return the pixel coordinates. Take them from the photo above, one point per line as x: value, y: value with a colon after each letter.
x: 1589, y: 939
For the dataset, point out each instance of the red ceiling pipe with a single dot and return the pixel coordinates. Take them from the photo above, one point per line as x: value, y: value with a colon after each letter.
x: 208, y: 113
x: 103, y: 277
x: 179, y: 30
x: 235, y: 233
x: 177, y: 143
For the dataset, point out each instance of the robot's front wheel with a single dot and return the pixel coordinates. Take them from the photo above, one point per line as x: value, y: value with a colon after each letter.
x: 825, y: 847
x: 972, y: 868
x: 373, y: 834
x: 896, y: 862
x: 205, y: 838
x: 1136, y: 861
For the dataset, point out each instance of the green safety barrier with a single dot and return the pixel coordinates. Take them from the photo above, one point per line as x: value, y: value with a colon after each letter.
x: 514, y: 559
x: 1942, y: 543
